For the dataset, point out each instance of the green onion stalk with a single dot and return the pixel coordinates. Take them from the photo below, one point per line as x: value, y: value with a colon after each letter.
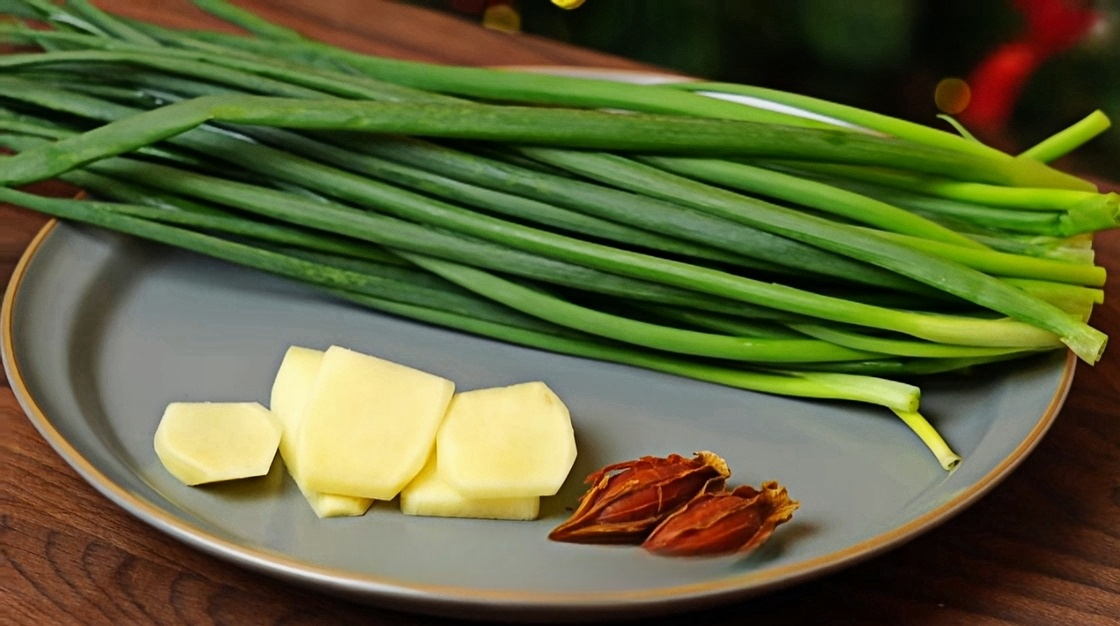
x: 731, y: 234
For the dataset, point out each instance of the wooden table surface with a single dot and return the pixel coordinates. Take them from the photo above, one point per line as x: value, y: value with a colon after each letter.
x: 1041, y: 548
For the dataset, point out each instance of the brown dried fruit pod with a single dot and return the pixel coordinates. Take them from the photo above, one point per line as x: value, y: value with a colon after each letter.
x: 726, y: 522
x: 627, y: 500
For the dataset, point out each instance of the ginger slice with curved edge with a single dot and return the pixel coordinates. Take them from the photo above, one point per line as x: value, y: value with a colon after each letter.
x: 369, y: 424
x: 207, y: 442
x: 290, y: 390
x: 431, y: 496
x: 502, y: 442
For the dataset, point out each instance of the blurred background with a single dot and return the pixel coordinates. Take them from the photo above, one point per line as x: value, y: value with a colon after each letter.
x: 1012, y: 71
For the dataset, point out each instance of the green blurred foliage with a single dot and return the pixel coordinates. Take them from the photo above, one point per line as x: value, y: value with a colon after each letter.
x: 863, y: 52
x: 881, y: 55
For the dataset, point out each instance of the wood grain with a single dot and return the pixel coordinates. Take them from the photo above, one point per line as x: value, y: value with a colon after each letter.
x: 1041, y: 548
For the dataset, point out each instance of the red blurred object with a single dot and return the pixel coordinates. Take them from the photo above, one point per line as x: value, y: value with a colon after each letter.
x: 1052, y: 26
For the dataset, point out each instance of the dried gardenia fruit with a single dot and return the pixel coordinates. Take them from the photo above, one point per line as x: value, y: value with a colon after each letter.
x: 723, y: 523
x: 627, y: 500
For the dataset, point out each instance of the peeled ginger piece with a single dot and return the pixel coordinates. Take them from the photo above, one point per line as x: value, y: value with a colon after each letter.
x: 290, y: 390
x: 369, y: 425
x: 506, y: 442
x: 429, y: 495
x: 206, y: 442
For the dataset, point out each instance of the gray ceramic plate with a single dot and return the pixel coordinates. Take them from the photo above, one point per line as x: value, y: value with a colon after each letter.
x: 100, y: 332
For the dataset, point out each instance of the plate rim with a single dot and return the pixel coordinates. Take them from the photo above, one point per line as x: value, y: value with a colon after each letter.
x: 442, y: 599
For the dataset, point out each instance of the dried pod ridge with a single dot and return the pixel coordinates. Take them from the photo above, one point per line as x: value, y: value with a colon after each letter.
x: 628, y: 500
x: 724, y: 522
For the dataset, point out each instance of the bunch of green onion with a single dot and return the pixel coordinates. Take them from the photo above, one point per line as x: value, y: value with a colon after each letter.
x: 828, y: 253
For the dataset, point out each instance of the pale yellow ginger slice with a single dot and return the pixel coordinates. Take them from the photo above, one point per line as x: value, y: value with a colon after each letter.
x: 369, y: 424
x: 333, y: 505
x: 506, y: 442
x: 207, y: 442
x: 290, y: 390
x: 428, y: 495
